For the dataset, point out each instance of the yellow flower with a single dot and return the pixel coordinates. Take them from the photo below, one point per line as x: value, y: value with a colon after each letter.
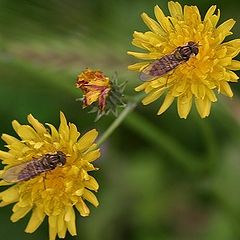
x: 55, y: 193
x: 95, y: 86
x: 199, y: 77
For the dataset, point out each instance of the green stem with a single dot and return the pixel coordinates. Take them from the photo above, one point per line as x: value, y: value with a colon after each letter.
x: 210, y: 143
x: 129, y: 108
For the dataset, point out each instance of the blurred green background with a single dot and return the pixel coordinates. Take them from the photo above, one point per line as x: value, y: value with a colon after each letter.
x: 160, y: 177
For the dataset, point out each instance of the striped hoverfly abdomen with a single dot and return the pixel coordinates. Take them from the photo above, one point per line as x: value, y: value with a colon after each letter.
x: 35, y: 167
x: 169, y: 62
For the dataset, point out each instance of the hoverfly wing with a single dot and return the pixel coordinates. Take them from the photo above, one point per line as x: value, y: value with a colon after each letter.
x: 145, y: 77
x: 11, y: 175
x: 159, y: 67
x: 151, y: 71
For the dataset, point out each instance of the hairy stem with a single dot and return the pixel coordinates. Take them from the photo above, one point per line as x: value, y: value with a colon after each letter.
x: 129, y: 108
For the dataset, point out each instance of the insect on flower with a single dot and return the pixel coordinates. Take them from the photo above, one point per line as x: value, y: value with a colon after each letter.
x: 35, y: 167
x: 169, y: 62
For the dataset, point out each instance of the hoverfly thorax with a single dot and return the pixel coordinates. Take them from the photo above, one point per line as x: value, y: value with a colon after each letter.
x: 188, y: 50
x: 58, y: 159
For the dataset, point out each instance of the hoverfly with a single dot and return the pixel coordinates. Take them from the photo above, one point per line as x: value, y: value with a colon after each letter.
x: 169, y: 62
x: 35, y: 167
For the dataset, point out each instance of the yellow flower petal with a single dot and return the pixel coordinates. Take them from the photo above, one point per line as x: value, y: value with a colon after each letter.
x: 20, y: 213
x: 63, y: 128
x: 164, y: 21
x: 233, y: 77
x: 92, y: 156
x: 87, y: 140
x: 90, y: 197
x: 166, y: 104
x: 73, y: 133
x: 141, y: 87
x: 211, y: 96
x: 184, y: 105
x: 35, y: 221
x: 54, y: 132
x: 70, y: 220
x: 235, y: 65
x: 175, y: 10
x: 27, y: 133
x: 145, y: 56
x: 6, y: 155
x: 82, y: 208
x: 52, y: 221
x: 203, y: 106
x: 91, y: 184
x: 36, y: 124
x: 225, y: 27
x: 210, y: 12
x: 152, y: 24
x: 15, y: 125
x: 10, y: 195
x: 225, y: 89
x: 138, y: 66
x: 62, y: 228
x: 155, y: 94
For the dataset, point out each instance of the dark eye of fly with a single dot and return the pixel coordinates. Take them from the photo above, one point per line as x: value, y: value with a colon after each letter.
x: 195, y: 50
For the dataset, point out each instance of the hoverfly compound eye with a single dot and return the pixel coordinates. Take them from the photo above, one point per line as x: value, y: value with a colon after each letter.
x: 195, y: 50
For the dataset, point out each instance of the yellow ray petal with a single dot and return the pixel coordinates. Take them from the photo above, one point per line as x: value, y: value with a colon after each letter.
x: 210, y: 12
x: 184, y: 105
x: 6, y: 155
x: 87, y: 140
x: 225, y: 27
x: 70, y: 220
x: 92, y: 156
x: 10, y: 195
x: 166, y: 104
x: 40, y: 129
x: 91, y: 184
x: 151, y: 97
x: 82, y: 208
x: 90, y: 197
x: 152, y: 24
x: 26, y: 132
x: 211, y: 96
x: 203, y: 106
x: 175, y: 10
x: 235, y: 65
x: 63, y: 128
x: 141, y: 87
x: 225, y: 89
x: 15, y: 125
x: 35, y: 221
x: 162, y: 19
x: 20, y: 213
x: 52, y: 221
x: 146, y: 56
x: 62, y: 228
x: 54, y: 132
x: 73, y: 133
x: 138, y: 66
